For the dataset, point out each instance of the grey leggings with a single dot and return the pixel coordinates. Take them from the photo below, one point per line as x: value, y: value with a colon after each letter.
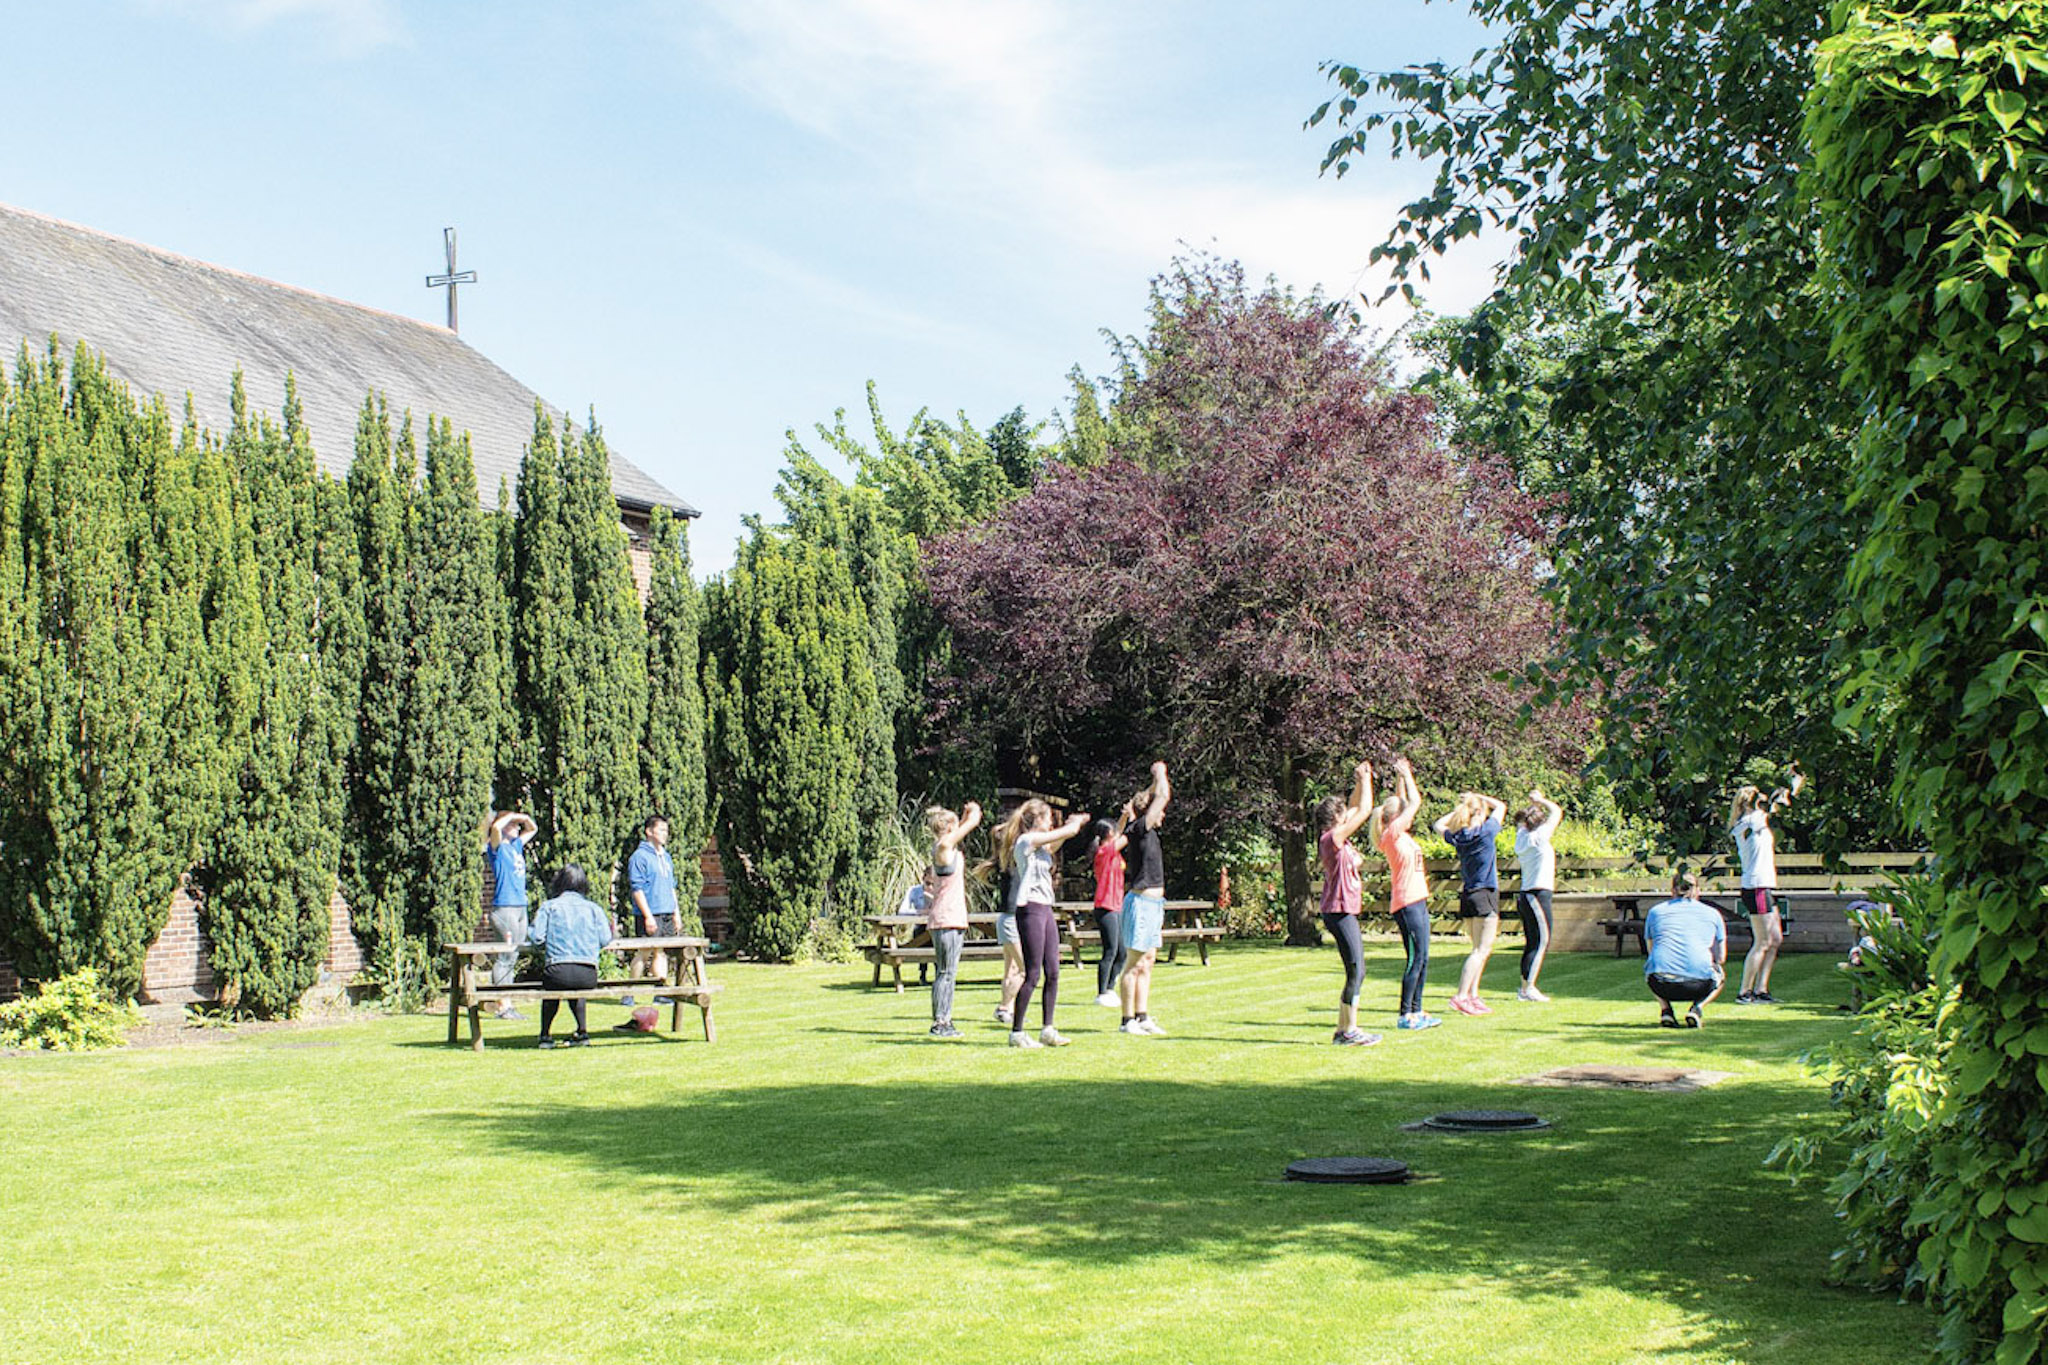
x: 1110, y: 924
x: 1413, y: 921
x: 945, y: 967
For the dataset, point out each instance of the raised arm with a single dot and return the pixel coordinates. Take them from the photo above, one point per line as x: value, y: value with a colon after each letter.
x: 1360, y: 809
x: 1117, y: 838
x: 511, y: 824
x: 1496, y: 811
x: 1783, y: 796
x: 1162, y: 792
x: 1553, y: 814
x: 1410, y: 794
x: 1053, y: 838
x: 970, y: 819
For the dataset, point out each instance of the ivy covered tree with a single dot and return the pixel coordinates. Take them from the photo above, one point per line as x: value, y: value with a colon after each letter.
x: 124, y: 594
x: 271, y: 864
x: 374, y: 868
x: 1297, y: 574
x: 579, y: 654
x: 789, y: 691
x: 1929, y: 126
x: 452, y: 698
x: 672, y: 746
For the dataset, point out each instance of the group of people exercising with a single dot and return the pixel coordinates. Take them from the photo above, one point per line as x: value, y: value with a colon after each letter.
x: 1686, y: 938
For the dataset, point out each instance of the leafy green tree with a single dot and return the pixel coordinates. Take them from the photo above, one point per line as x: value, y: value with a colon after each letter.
x: 789, y: 691
x: 672, y: 747
x: 271, y: 865
x: 451, y: 714
x: 579, y: 653
x: 1930, y: 172
x: 374, y: 867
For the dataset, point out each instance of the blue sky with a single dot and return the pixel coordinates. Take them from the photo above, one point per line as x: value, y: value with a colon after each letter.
x: 715, y: 220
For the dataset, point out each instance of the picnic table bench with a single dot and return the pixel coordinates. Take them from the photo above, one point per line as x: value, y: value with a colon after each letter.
x: 1184, y: 924
x: 1630, y: 908
x: 906, y: 940
x: 469, y: 983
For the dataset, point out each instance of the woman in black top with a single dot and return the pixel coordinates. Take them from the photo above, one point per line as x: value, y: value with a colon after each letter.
x: 1144, y: 901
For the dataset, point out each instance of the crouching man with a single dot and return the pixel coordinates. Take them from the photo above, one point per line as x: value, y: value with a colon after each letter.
x: 1688, y: 945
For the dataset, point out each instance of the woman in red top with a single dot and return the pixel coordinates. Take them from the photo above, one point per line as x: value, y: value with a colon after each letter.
x: 1341, y: 897
x: 1106, y: 840
x: 1409, y: 899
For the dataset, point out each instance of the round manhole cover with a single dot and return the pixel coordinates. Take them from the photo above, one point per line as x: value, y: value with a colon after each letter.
x: 1349, y: 1170
x: 1485, y: 1121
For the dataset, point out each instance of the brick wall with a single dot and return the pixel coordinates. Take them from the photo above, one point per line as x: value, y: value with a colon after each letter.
x: 176, y: 971
x: 714, y: 902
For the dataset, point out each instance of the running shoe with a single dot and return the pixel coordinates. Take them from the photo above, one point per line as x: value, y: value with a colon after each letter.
x: 1002, y: 1015
x: 1747, y: 998
x: 1150, y: 1025
x: 545, y: 1042
x: 1021, y: 1039
x: 1463, y: 1006
x: 1354, y: 1037
x: 1532, y: 995
x: 578, y: 1040
x: 509, y: 1013
x: 1764, y: 998
x: 1477, y: 1006
x: 1136, y: 1026
x: 625, y: 1000
x: 1109, y: 1000
x: 1667, y: 1019
x: 945, y: 1031
x: 1418, y: 1021
x: 1052, y: 1037
x: 1693, y: 1018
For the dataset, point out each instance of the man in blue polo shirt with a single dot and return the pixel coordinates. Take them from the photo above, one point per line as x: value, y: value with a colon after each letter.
x: 505, y: 840
x: 1688, y: 944
x: 652, y: 879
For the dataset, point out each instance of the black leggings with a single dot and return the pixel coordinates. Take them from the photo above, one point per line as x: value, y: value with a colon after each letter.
x: 1350, y: 947
x: 1038, y: 933
x: 1535, y: 908
x: 1110, y: 924
x: 1412, y: 920
x: 566, y: 976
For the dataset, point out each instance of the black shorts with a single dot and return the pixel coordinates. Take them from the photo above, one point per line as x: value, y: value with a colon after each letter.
x: 1681, y: 988
x: 1479, y: 902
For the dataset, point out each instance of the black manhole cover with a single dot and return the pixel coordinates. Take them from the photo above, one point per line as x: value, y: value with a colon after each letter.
x: 1349, y: 1170
x: 1484, y: 1121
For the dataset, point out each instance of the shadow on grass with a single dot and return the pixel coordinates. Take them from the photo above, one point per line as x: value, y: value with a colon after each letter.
x: 1652, y: 1195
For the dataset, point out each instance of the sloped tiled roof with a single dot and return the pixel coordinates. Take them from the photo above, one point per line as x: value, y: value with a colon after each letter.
x: 172, y: 325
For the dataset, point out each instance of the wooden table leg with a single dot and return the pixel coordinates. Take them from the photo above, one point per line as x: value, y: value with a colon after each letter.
x: 454, y: 995
x: 678, y: 966
x: 476, y: 1028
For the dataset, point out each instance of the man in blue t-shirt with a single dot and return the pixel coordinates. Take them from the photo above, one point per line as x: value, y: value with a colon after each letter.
x: 652, y: 879
x: 505, y: 843
x: 1688, y: 944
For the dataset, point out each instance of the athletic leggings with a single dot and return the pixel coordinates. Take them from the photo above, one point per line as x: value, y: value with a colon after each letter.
x: 945, y: 969
x: 1038, y: 932
x: 1110, y: 924
x: 1535, y: 908
x: 1413, y: 922
x: 1350, y: 947
x: 566, y: 976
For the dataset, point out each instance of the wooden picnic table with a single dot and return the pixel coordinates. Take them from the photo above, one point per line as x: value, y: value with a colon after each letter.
x: 903, y: 939
x: 1186, y: 922
x: 686, y: 983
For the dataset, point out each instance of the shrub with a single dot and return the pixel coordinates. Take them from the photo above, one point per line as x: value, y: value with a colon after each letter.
x: 71, y: 1014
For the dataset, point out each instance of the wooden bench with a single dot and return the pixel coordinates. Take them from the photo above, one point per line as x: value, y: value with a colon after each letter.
x: 1169, y: 938
x: 895, y: 956
x: 469, y: 983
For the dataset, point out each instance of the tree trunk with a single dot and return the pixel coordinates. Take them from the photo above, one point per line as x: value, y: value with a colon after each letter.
x: 1302, y: 928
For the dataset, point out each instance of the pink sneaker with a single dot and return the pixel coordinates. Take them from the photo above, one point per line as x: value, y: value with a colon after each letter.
x: 1462, y: 1005
x: 1478, y: 1006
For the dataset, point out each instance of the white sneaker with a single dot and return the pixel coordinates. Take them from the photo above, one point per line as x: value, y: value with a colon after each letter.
x: 1532, y: 995
x: 1131, y: 1026
x: 1002, y: 1015
x: 1151, y: 1026
x: 1052, y: 1037
x: 1024, y: 1040
x: 1109, y: 1000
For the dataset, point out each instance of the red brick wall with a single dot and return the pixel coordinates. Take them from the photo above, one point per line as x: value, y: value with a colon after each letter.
x: 714, y: 903
x: 344, y: 955
x: 176, y: 971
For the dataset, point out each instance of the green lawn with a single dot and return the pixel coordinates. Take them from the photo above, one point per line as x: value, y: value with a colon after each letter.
x: 827, y: 1185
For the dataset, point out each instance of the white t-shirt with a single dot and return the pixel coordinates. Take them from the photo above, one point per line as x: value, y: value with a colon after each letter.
x: 1758, y: 849
x: 1539, y: 859
x: 1034, y: 874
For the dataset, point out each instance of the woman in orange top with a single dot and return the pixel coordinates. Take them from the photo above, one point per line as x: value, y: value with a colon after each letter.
x: 1409, y: 899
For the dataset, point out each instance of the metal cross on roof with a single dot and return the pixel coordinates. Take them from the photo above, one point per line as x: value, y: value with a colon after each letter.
x: 452, y: 278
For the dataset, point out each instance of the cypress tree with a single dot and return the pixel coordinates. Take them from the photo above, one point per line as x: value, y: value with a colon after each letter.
x: 789, y: 692
x: 451, y: 711
x: 580, y: 653
x: 373, y: 864
x: 672, y: 746
x: 271, y: 865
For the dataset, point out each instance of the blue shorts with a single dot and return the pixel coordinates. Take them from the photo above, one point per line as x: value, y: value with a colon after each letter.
x: 1006, y: 928
x: 1144, y: 918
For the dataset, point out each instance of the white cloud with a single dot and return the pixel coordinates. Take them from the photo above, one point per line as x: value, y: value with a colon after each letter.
x: 351, y: 27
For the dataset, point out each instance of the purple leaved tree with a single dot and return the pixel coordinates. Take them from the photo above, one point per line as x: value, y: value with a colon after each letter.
x: 1282, y: 568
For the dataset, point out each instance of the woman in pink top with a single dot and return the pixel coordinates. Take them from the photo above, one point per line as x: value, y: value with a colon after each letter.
x: 947, y: 912
x: 1409, y: 899
x: 1342, y: 896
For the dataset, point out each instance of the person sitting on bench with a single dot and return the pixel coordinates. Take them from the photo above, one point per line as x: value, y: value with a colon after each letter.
x: 573, y: 929
x: 1688, y: 944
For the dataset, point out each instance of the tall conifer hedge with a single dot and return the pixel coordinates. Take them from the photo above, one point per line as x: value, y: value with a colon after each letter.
x: 672, y: 746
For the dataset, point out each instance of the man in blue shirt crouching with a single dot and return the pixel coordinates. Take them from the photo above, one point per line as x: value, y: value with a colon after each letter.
x: 1688, y: 945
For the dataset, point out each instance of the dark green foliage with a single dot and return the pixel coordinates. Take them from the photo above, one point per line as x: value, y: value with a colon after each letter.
x: 579, y: 655
x: 1930, y: 168
x: 451, y: 711
x: 124, y: 594
x: 271, y: 865
x: 373, y: 865
x: 788, y: 693
x: 672, y: 747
